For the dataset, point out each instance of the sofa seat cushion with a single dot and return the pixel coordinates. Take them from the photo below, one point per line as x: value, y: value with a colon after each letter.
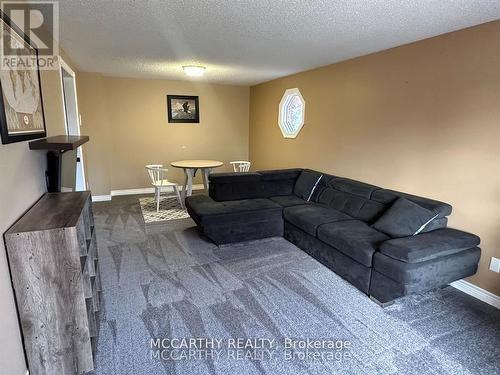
x: 354, y: 238
x: 386, y: 196
x: 309, y: 217
x: 427, y: 246
x: 288, y: 200
x: 205, y: 211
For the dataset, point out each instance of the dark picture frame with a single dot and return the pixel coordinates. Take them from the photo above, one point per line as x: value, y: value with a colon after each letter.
x: 180, y: 109
x: 7, y: 135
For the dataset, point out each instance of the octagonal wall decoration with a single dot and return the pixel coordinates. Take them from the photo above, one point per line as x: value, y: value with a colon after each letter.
x: 291, y: 113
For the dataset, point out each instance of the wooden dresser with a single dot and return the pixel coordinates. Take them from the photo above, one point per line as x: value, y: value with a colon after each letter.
x: 52, y: 254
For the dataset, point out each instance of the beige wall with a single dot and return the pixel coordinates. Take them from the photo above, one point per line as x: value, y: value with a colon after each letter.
x: 422, y: 118
x: 93, y: 109
x: 22, y: 183
x: 126, y: 120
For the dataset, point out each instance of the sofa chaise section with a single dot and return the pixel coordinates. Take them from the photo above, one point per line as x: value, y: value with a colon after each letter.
x: 244, y: 206
x: 419, y: 263
x: 236, y: 221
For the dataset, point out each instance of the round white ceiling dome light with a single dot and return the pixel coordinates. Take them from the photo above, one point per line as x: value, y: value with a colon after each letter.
x: 194, y: 70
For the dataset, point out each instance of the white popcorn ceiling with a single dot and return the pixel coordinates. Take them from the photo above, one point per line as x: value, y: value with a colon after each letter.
x: 247, y: 42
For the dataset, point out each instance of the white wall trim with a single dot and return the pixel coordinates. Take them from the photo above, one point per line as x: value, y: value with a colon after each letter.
x: 66, y: 67
x: 477, y: 292
x: 149, y: 190
x: 101, y: 198
x: 132, y: 191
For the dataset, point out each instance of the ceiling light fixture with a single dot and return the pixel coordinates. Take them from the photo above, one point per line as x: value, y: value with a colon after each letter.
x: 193, y: 70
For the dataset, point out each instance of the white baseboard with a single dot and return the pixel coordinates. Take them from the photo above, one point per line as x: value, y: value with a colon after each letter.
x: 132, y: 191
x: 477, y: 292
x: 149, y: 190
x: 101, y: 198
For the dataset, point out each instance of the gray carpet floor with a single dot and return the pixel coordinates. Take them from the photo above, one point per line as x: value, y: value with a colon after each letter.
x: 167, y: 281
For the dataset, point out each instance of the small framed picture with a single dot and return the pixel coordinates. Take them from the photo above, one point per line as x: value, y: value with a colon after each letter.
x: 183, y: 108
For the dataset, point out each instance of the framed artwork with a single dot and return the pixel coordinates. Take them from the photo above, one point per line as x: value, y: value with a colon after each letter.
x: 21, y: 104
x: 183, y: 108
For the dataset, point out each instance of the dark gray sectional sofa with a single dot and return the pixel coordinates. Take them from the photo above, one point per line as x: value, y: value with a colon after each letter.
x: 386, y: 243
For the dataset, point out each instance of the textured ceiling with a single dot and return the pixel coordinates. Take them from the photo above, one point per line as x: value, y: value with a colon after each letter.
x: 246, y: 42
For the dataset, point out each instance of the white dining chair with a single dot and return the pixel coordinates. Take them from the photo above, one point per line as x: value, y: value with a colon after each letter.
x: 158, y: 176
x: 240, y: 165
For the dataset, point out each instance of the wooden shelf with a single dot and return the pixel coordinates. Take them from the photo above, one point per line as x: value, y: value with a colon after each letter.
x: 59, y: 143
x: 55, y: 210
x: 52, y: 253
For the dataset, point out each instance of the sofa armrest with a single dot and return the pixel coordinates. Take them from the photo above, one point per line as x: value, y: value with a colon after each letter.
x: 427, y: 246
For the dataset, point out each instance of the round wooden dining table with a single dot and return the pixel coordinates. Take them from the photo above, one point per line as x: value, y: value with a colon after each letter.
x: 190, y: 168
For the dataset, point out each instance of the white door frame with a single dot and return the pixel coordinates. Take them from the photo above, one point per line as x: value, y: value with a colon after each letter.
x: 64, y: 66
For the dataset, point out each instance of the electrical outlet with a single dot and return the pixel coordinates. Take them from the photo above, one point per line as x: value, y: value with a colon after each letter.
x: 495, y: 265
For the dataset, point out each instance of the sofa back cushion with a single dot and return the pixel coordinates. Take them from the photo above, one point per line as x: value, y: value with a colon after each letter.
x: 234, y: 186
x: 356, y: 207
x: 350, y: 197
x: 437, y: 223
x: 357, y: 188
x: 280, y: 174
x: 368, y: 202
x: 321, y: 186
x: 279, y: 182
x: 306, y: 184
x: 247, y: 185
x: 404, y: 218
x: 388, y: 197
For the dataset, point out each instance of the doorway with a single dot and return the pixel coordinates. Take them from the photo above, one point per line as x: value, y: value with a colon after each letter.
x: 72, y: 118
